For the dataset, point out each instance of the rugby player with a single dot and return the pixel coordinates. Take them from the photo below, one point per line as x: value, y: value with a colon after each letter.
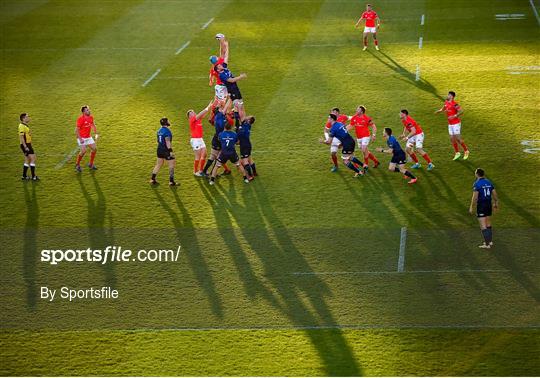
x: 219, y: 87
x: 362, y: 123
x: 228, y: 140
x: 453, y: 112
x: 484, y: 194
x: 83, y: 132
x: 339, y: 131
x: 164, y: 152
x: 220, y: 120
x: 372, y: 24
x: 25, y: 139
x: 414, y: 136
x: 226, y: 76
x: 397, y: 164
x: 197, y: 141
x: 334, y: 146
x: 243, y: 131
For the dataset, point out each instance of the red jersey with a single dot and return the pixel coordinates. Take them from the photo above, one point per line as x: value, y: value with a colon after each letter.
x: 342, y: 118
x: 84, y: 125
x: 370, y: 17
x: 195, y: 127
x: 409, y: 123
x: 361, y: 125
x: 451, y: 108
x: 214, y: 73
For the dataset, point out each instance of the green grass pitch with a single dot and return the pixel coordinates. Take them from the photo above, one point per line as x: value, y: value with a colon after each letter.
x: 295, y: 273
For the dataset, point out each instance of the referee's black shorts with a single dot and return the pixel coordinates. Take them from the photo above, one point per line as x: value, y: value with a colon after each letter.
x: 30, y: 149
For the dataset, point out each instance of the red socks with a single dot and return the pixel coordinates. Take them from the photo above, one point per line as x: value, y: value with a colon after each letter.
x: 334, y: 160
x: 195, y: 166
x: 202, y: 163
x: 92, y: 156
x: 456, y: 148
x: 465, y: 149
x: 413, y: 156
x: 79, y: 158
x: 372, y: 157
x: 426, y: 158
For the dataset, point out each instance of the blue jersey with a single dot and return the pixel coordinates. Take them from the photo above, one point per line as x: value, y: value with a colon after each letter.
x: 393, y: 143
x: 339, y: 130
x: 220, y: 120
x: 228, y: 141
x: 225, y: 75
x: 244, y: 132
x: 163, y: 133
x: 484, y: 187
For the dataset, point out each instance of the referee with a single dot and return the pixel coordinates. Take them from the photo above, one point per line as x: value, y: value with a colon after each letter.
x: 484, y: 194
x: 25, y: 139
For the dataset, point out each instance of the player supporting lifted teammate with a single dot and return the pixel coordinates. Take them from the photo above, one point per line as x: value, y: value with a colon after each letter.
x: 25, y: 139
x: 362, y: 123
x: 164, y: 152
x: 243, y: 131
x: 220, y: 89
x: 397, y: 164
x: 228, y: 140
x: 220, y: 120
x: 339, y: 130
x: 334, y: 146
x: 372, y: 24
x: 226, y: 76
x: 197, y: 141
x: 83, y: 131
x: 453, y: 111
x: 483, y: 194
x: 414, y: 136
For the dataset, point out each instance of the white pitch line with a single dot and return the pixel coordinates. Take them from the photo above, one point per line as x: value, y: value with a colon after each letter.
x: 152, y: 77
x: 182, y: 48
x: 420, y: 42
x: 207, y: 23
x: 392, y: 272
x: 67, y: 158
x: 422, y: 19
x: 535, y: 11
x: 417, y: 72
x: 402, y: 244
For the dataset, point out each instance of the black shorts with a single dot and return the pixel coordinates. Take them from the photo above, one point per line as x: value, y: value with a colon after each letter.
x: 163, y: 153
x: 228, y: 156
x: 30, y: 149
x: 245, y: 150
x: 216, y: 144
x: 347, y: 146
x: 234, y: 92
x: 483, y: 209
x: 399, y: 158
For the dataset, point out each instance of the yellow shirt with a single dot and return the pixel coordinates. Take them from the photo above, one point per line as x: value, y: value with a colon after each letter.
x: 25, y: 130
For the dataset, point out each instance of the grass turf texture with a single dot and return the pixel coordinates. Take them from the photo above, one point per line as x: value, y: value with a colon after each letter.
x: 243, y: 244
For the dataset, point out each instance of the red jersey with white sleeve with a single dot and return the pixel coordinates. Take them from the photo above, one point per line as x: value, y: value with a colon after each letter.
x: 84, y: 125
x: 342, y: 118
x: 214, y: 73
x: 409, y: 123
x: 452, y: 108
x: 370, y: 17
x: 195, y: 127
x: 361, y: 125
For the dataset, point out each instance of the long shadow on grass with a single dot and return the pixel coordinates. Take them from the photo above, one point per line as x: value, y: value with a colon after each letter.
x: 187, y: 237
x: 30, y: 253
x: 98, y: 236
x: 407, y: 75
x: 277, y: 255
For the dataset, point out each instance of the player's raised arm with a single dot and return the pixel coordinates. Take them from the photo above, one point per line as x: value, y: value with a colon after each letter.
x: 238, y: 78
x: 224, y: 50
x: 203, y: 112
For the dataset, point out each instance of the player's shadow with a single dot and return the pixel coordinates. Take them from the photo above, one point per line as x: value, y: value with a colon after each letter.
x: 303, y: 299
x: 406, y: 75
x: 187, y: 238
x: 98, y: 235
x: 30, y: 253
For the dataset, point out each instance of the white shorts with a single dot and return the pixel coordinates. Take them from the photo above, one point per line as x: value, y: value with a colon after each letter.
x: 334, y: 147
x: 370, y: 30
x: 416, y: 141
x: 221, y: 91
x: 86, y: 141
x: 362, y: 142
x: 454, y: 129
x: 197, y: 143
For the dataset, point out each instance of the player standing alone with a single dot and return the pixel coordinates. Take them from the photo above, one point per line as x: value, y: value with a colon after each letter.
x: 25, y: 139
x: 483, y: 194
x: 453, y: 111
x: 83, y: 131
x: 372, y: 24
x: 164, y: 152
x: 197, y: 141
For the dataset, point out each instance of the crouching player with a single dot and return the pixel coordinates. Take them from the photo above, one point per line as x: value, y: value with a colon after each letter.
x: 483, y: 194
x: 164, y: 152
x: 243, y: 131
x: 228, y: 139
x: 397, y: 164
x: 339, y: 130
x: 334, y: 146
